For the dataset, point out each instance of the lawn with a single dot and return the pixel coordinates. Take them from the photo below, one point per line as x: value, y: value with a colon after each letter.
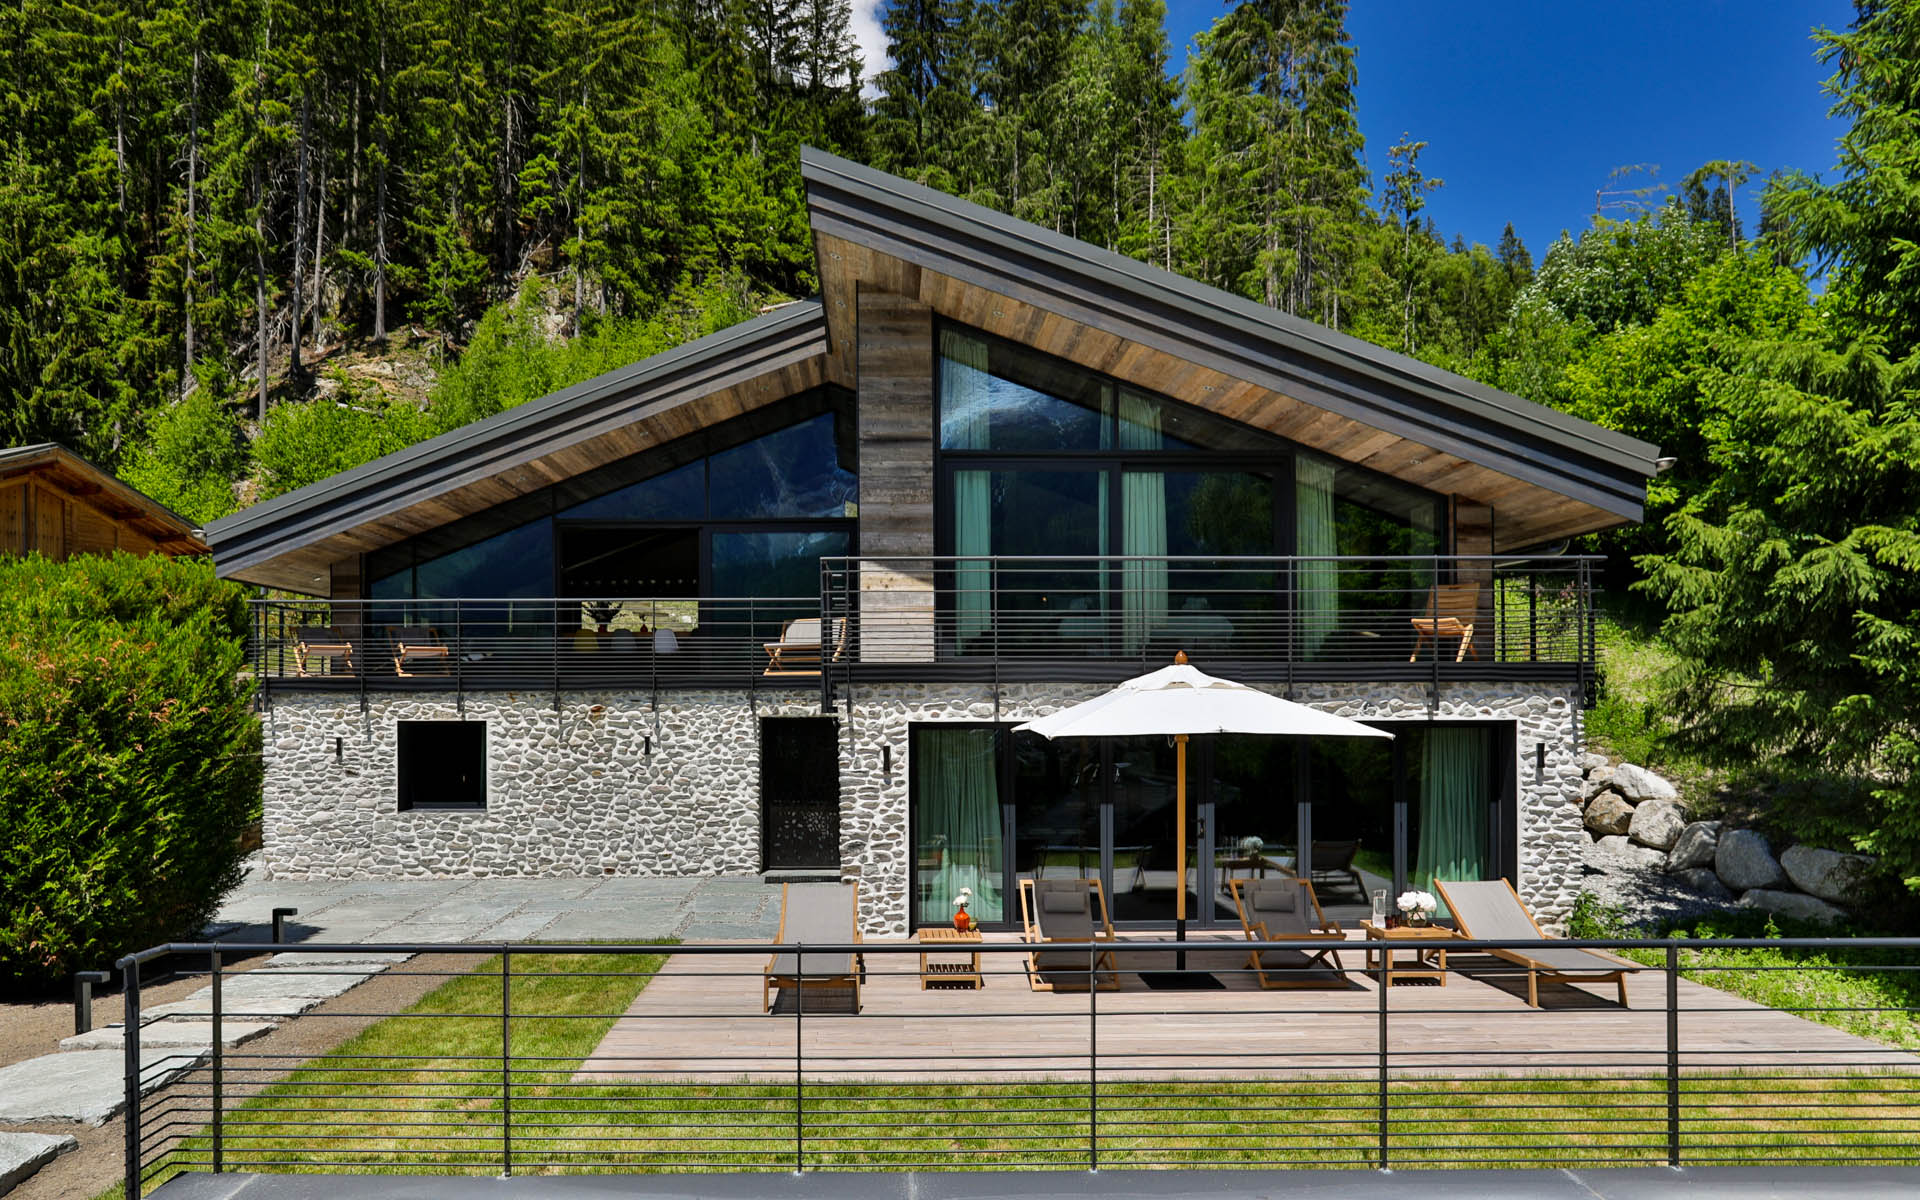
x: 432, y: 1076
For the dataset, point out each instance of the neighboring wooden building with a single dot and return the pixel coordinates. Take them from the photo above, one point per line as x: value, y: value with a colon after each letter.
x: 56, y: 503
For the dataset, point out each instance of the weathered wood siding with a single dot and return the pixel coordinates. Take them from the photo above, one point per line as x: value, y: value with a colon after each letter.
x: 895, y: 370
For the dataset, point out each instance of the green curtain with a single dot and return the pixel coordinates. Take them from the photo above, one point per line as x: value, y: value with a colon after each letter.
x: 957, y: 788
x: 963, y: 388
x: 1453, y: 807
x: 1143, y: 527
x: 1316, y: 597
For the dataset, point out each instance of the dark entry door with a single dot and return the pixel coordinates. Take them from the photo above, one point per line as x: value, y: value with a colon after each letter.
x: 799, y: 793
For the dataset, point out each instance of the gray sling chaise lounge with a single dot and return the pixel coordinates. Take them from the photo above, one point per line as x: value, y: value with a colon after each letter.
x: 1066, y: 910
x: 1282, y: 909
x: 1491, y: 910
x: 824, y: 914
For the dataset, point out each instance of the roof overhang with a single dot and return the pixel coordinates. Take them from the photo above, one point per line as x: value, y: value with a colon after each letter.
x: 293, y: 540
x: 1550, y: 475
x: 67, y: 472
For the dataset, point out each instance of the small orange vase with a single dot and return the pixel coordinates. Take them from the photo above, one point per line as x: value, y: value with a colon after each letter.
x: 962, y: 921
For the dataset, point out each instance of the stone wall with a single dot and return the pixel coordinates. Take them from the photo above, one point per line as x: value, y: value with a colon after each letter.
x: 575, y: 792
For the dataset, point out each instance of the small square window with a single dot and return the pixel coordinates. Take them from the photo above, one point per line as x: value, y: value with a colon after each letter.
x: 443, y: 764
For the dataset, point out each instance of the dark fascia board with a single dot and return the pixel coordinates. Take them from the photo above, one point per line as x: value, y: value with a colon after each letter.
x: 1236, y: 336
x: 497, y: 444
x: 14, y: 458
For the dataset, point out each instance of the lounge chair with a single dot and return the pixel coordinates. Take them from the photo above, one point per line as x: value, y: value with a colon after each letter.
x: 1452, y: 609
x: 1067, y: 910
x: 415, y: 647
x: 1333, y: 863
x: 799, y: 650
x: 322, y: 650
x: 825, y: 914
x: 1491, y: 910
x: 1284, y: 908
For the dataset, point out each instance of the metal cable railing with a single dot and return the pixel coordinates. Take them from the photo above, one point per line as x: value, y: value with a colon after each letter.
x: 689, y: 1058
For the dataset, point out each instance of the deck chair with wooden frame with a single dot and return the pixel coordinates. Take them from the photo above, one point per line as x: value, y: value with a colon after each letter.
x: 801, y: 647
x: 1491, y: 910
x: 1067, y: 910
x: 322, y: 649
x: 825, y: 914
x: 1452, y: 609
x: 416, y: 646
x: 1333, y: 863
x: 1284, y: 908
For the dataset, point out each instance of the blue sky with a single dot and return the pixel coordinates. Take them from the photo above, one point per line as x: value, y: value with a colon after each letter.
x: 1526, y: 105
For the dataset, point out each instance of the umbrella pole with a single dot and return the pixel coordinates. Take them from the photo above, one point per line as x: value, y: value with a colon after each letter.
x: 1180, y: 851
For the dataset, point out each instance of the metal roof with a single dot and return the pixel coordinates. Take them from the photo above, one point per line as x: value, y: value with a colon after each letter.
x: 1240, y: 337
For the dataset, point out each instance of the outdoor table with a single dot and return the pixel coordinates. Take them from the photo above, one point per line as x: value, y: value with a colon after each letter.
x: 1429, y: 946
x: 938, y: 939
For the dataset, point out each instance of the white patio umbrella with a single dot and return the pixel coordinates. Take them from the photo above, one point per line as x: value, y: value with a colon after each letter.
x: 1181, y: 701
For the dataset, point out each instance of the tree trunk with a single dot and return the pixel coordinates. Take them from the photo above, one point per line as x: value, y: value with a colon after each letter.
x: 299, y: 227
x: 380, y: 193
x: 319, y: 236
x: 193, y: 174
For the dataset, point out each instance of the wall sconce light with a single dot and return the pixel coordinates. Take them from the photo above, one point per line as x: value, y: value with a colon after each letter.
x: 1539, y: 762
x: 646, y: 745
x: 339, y: 749
x: 886, y: 760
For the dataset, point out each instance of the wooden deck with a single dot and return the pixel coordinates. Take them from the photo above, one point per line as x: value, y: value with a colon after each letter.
x: 700, y: 1020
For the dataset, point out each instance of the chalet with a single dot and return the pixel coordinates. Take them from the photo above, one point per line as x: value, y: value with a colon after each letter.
x: 57, y: 504
x: 773, y: 601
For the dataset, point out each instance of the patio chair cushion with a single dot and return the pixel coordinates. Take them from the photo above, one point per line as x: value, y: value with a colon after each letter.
x: 1055, y: 900
x: 1278, y: 905
x: 819, y: 913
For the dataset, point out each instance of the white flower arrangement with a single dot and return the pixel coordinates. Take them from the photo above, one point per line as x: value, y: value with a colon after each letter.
x: 1417, y: 904
x: 1250, y: 847
x: 963, y: 899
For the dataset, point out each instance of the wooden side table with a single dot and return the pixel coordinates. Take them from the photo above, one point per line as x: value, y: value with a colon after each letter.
x: 1429, y: 946
x: 944, y: 939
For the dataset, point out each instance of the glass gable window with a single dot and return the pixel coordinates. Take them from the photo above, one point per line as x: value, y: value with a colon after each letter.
x: 678, y: 495
x: 1041, y: 457
x: 792, y: 472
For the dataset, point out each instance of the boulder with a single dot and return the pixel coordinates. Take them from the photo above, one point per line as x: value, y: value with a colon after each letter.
x: 1657, y: 823
x: 1793, y: 904
x: 1694, y: 847
x: 1638, y: 784
x: 1596, y: 782
x: 1744, y: 861
x: 1609, y: 814
x: 1828, y: 874
x: 1706, y: 883
x: 1616, y: 853
x: 1591, y: 762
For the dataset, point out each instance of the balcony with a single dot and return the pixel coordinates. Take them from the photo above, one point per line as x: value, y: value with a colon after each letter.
x: 1288, y: 620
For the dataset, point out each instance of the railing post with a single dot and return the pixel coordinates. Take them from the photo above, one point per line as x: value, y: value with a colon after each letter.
x: 83, y: 985
x: 1673, y: 1055
x: 506, y: 1061
x: 1093, y: 1059
x: 1385, y: 975
x: 219, y: 1073
x: 799, y: 1058
x: 130, y: 992
x: 459, y: 653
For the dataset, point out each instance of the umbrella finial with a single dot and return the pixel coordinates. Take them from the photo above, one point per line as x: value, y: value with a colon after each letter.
x: 1180, y: 658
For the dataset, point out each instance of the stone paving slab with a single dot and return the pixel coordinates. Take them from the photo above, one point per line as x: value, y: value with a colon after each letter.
x: 301, y: 961
x: 192, y: 1035
x: 273, y: 1008
x: 86, y: 1087
x: 308, y: 981
x: 23, y: 1154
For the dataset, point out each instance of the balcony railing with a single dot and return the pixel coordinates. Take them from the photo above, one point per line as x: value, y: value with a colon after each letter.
x: 1411, y: 617
x: 1460, y: 613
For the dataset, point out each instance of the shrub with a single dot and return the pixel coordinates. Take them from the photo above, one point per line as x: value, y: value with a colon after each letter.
x: 129, y: 762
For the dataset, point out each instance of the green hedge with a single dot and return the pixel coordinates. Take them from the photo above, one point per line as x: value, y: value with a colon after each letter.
x: 129, y: 758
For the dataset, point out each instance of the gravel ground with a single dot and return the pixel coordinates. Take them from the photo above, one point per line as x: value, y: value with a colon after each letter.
x: 30, y: 1030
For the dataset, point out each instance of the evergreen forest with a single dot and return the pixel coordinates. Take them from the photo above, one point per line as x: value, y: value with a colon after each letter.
x: 245, y: 244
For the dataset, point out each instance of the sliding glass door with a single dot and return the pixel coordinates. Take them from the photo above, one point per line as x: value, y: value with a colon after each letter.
x: 991, y: 807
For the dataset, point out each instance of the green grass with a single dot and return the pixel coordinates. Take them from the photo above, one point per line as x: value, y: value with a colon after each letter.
x: 1871, y: 993
x: 452, y: 1037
